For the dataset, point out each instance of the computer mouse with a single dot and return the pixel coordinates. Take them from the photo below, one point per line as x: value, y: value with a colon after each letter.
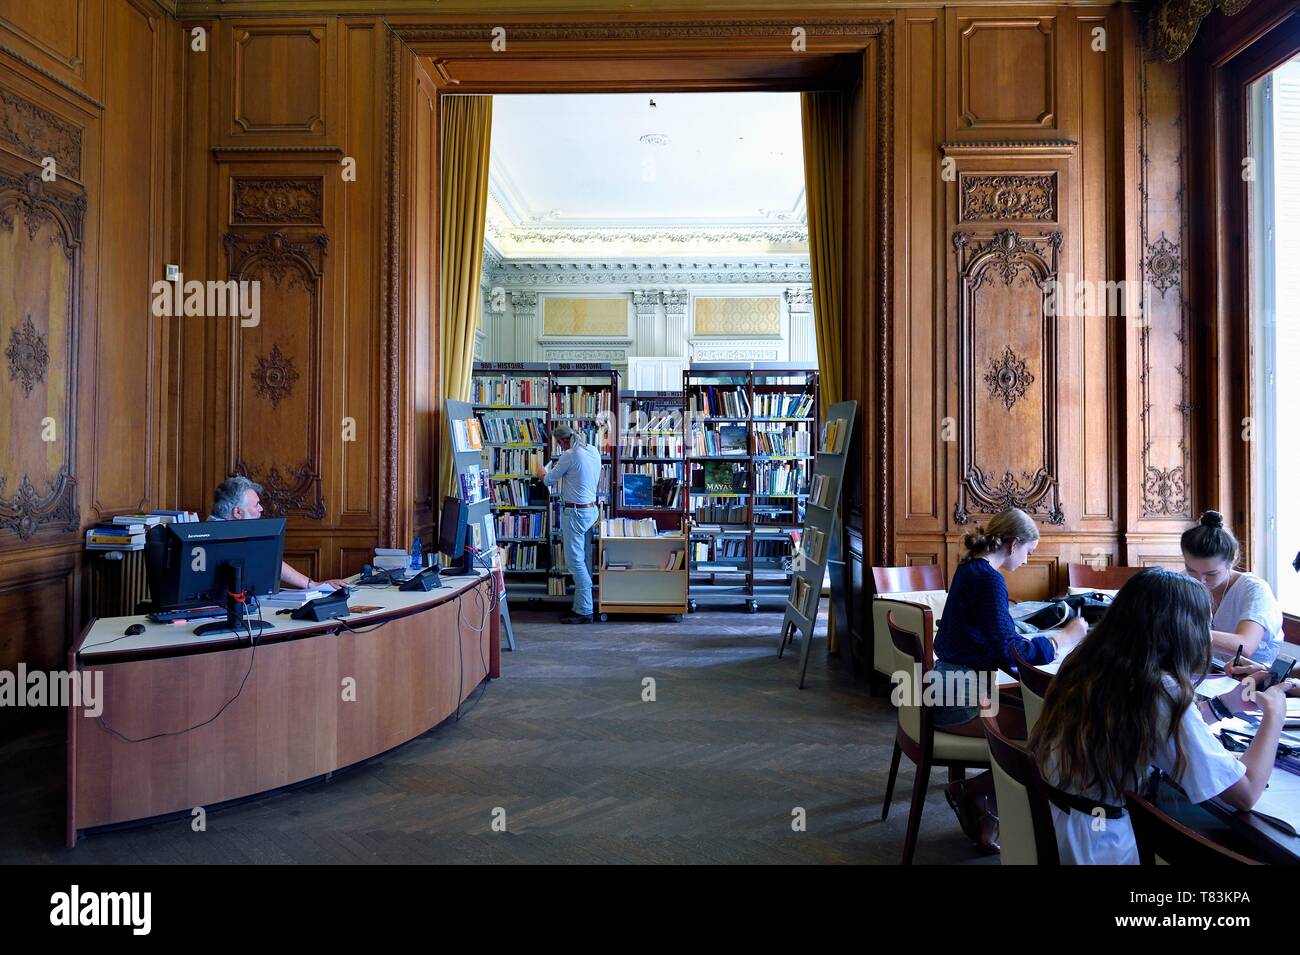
x: 134, y: 630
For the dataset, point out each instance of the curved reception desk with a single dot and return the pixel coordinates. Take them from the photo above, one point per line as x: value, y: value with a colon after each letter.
x: 188, y: 721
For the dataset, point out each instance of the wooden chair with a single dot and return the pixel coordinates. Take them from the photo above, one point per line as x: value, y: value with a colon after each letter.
x: 1290, y: 628
x: 909, y: 626
x: 1162, y: 840
x: 925, y: 579
x: 1105, y: 578
x: 1033, y: 688
x: 1025, y: 828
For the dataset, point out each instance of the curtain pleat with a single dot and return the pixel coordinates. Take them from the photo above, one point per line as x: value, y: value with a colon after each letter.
x: 466, y: 139
x: 823, y: 169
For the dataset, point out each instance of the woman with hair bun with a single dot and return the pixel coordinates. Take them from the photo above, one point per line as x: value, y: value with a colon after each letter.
x: 976, y: 633
x: 1245, y: 611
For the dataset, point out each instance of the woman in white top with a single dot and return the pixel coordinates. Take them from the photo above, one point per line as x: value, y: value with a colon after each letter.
x: 1246, y: 614
x: 1124, y: 702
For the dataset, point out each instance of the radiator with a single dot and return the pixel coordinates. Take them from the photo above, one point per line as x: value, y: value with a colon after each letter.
x: 117, y: 583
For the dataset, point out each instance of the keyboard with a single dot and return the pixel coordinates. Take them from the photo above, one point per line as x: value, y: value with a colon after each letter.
x: 196, y: 613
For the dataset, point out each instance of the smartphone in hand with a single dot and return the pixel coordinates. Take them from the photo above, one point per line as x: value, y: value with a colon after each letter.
x: 1278, y: 672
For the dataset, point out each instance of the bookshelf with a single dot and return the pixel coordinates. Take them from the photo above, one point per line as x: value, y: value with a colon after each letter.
x: 650, y: 480
x: 518, y: 405
x: 750, y: 449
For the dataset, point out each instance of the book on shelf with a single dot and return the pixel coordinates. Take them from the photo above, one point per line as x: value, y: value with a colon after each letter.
x: 466, y: 435
x: 771, y: 477
x: 782, y: 405
x: 815, y: 550
x: 725, y: 477
x: 834, y: 436
x: 513, y: 429
x: 733, y: 439
x: 629, y: 527
x: 638, y: 490
x: 555, y: 587
x: 505, y: 390
x: 823, y: 490
x: 720, y: 512
x: 148, y: 520
x: 801, y: 594
x: 517, y: 462
x: 593, y: 400
x: 785, y: 440
x: 711, y: 401
x: 473, y: 484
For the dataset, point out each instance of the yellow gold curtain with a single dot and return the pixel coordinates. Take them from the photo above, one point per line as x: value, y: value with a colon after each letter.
x: 466, y: 138
x: 823, y: 169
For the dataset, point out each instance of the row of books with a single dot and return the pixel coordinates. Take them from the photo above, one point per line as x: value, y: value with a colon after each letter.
x: 651, y: 445
x: 629, y: 527
x: 641, y: 421
x: 475, y: 485
x: 521, y: 525
x: 715, y: 402
x: 516, y: 492
x: 803, y: 597
x: 507, y: 391
x: 521, y: 557
x: 780, y: 405
x: 556, y: 586
x: 502, y: 429
x: 723, y: 440
x: 796, y: 440
x: 720, y: 512
x: 580, y: 400
x: 595, y: 435
x: 674, y: 561
x: 771, y: 477
x: 644, y: 490
x: 126, y: 532
x: 514, y: 460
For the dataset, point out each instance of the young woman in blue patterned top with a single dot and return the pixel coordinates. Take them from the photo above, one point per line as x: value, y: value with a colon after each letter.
x: 976, y: 634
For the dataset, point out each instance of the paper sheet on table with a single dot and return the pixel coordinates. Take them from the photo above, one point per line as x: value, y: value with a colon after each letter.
x: 1280, y: 803
x: 1215, y: 686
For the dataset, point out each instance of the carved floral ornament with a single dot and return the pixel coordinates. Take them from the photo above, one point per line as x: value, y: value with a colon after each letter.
x: 28, y: 510
x: 296, y: 490
x: 28, y: 356
x: 1008, y: 377
x: 274, y: 201
x: 1008, y: 197
x: 274, y: 376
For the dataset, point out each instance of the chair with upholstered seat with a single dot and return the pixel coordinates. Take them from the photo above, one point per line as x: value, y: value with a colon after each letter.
x: 1163, y: 840
x: 1033, y: 687
x: 1084, y: 577
x: 910, y: 627
x: 923, y: 584
x: 1025, y: 828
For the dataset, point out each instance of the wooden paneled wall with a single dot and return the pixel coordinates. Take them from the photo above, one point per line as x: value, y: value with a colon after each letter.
x: 1038, y: 143
x: 282, y: 128
x: 88, y: 84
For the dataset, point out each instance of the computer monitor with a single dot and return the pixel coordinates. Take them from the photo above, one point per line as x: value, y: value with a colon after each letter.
x: 452, y: 531
x: 215, y: 562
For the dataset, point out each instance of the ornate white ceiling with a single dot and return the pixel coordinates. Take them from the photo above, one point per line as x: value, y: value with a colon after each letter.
x: 578, y: 175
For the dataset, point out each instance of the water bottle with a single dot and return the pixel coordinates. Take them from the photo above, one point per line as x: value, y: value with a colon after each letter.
x: 417, y: 554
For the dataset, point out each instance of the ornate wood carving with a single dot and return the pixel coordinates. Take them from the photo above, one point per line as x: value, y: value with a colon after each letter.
x: 39, y: 473
x: 274, y: 376
x: 28, y: 356
x: 1008, y: 198
x: 1008, y: 378
x: 271, y: 201
x: 1169, y: 26
x: 36, y: 133
x: 1015, y: 269
x: 294, y: 268
x: 1163, y: 336
x: 296, y: 490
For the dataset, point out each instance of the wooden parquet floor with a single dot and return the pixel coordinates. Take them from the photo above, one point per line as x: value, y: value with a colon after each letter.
x: 584, y: 770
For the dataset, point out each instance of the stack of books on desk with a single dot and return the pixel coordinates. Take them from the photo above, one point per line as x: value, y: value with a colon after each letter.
x: 391, y: 558
x: 110, y: 535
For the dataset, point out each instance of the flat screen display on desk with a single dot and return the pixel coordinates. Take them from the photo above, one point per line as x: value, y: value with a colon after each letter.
x: 192, y: 565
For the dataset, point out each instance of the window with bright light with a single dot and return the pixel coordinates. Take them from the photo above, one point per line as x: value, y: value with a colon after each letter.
x: 1275, y: 323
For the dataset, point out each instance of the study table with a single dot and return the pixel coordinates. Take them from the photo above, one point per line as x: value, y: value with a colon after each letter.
x: 1272, y: 844
x: 189, y: 721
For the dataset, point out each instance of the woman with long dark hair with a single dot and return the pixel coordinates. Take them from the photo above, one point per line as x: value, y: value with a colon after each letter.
x: 1124, y: 701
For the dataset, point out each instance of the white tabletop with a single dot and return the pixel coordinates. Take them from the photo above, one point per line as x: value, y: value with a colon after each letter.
x: 106, y: 636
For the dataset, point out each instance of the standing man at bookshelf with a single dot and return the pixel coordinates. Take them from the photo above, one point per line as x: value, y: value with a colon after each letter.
x: 577, y: 472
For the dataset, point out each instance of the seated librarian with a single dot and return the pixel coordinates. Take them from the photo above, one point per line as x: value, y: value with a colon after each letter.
x: 236, y: 499
x: 977, y: 633
x: 1246, y: 614
x: 1124, y: 703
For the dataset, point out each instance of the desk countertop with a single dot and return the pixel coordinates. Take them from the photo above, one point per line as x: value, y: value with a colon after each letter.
x: 105, y: 641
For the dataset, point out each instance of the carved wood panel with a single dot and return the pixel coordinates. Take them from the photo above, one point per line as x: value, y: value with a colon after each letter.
x: 1006, y: 375
x: 1006, y: 73
x: 40, y: 256
x: 35, y: 133
x: 276, y: 200
x: 1006, y: 197
x: 276, y: 370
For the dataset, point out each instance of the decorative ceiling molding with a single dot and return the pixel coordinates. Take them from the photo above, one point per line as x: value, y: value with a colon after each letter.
x: 794, y: 270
